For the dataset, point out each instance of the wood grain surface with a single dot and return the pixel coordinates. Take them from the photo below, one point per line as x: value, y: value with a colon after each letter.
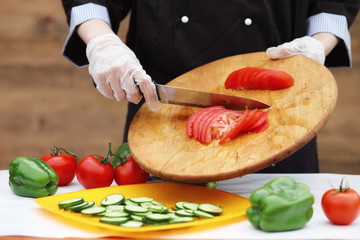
x: 159, y: 143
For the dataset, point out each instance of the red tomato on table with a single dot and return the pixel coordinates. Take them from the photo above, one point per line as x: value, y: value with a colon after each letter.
x: 130, y: 173
x: 63, y: 163
x: 93, y: 172
x: 252, y: 78
x: 341, y: 206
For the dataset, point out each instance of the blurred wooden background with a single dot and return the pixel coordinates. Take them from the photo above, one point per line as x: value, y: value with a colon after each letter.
x: 45, y: 100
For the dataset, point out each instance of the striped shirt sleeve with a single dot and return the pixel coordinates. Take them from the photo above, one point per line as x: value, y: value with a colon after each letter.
x: 83, y: 13
x: 331, y: 23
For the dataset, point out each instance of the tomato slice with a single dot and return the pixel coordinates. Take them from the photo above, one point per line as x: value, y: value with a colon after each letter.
x: 250, y: 78
x: 205, y: 134
x: 235, y: 129
x: 220, y: 124
x: 199, y: 121
x: 262, y: 127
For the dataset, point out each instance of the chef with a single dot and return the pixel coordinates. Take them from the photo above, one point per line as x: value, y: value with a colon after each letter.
x: 167, y: 38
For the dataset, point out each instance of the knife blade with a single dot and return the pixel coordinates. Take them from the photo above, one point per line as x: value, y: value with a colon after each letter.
x: 195, y: 98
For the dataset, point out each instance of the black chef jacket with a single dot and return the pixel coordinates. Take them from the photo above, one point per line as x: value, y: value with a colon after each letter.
x: 168, y: 47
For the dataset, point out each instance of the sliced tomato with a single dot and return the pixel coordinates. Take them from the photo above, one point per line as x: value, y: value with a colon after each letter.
x: 199, y: 120
x: 259, y: 78
x: 220, y: 124
x: 262, y: 127
x: 205, y: 133
x: 235, y: 129
x: 190, y: 122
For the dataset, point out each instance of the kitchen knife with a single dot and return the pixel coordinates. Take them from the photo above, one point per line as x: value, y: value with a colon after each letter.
x: 196, y: 98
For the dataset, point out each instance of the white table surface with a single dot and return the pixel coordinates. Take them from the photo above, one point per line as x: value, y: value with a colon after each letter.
x: 22, y: 216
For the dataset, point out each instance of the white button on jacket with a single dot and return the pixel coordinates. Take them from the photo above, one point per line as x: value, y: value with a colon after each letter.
x: 248, y: 21
x: 185, y: 19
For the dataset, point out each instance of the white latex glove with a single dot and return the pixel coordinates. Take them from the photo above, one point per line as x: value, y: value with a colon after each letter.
x: 307, y: 46
x: 118, y: 73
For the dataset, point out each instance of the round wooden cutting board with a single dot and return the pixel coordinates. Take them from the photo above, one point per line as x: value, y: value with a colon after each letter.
x: 158, y: 140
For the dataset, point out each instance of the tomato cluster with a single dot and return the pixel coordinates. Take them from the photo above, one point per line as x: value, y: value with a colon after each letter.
x: 252, y: 78
x: 220, y: 123
x: 94, y: 171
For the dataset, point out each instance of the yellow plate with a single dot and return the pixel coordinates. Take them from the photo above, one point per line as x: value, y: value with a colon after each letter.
x: 234, y: 206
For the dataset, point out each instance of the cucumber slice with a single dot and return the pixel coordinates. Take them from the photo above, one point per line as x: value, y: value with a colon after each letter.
x: 94, y: 210
x: 182, y: 219
x: 139, y: 200
x: 135, y: 209
x: 70, y: 202
x: 132, y: 224
x: 146, y: 204
x: 158, y: 209
x: 211, y: 208
x: 130, y: 203
x: 115, y: 208
x: 184, y: 213
x: 137, y: 218
x: 114, y: 221
x: 202, y: 214
x: 114, y: 199
x: 157, y: 217
x: 81, y: 206
x: 190, y: 205
x: 157, y: 203
x: 116, y: 214
x: 179, y: 205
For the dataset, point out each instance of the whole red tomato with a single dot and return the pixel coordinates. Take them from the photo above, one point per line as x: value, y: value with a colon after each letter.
x: 130, y: 173
x: 341, y: 206
x: 63, y: 163
x: 94, y: 171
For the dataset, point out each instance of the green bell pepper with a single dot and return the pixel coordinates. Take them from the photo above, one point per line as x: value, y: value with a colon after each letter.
x: 280, y: 205
x: 32, y: 177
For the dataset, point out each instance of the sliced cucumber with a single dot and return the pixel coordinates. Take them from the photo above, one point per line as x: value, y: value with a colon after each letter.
x: 135, y: 209
x: 158, y: 209
x: 81, y: 206
x: 114, y: 199
x: 211, y: 208
x: 182, y: 219
x: 115, y: 208
x: 139, y: 200
x: 184, y: 213
x: 179, y: 205
x: 116, y: 214
x: 157, y: 203
x: 130, y: 203
x: 114, y: 221
x: 132, y: 224
x: 202, y: 214
x: 157, y: 217
x: 190, y: 205
x: 137, y: 218
x: 70, y: 202
x: 94, y: 210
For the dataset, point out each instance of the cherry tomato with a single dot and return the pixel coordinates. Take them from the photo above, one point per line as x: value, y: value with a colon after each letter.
x: 63, y: 163
x: 251, y: 78
x: 94, y: 171
x: 130, y: 173
x: 341, y: 206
